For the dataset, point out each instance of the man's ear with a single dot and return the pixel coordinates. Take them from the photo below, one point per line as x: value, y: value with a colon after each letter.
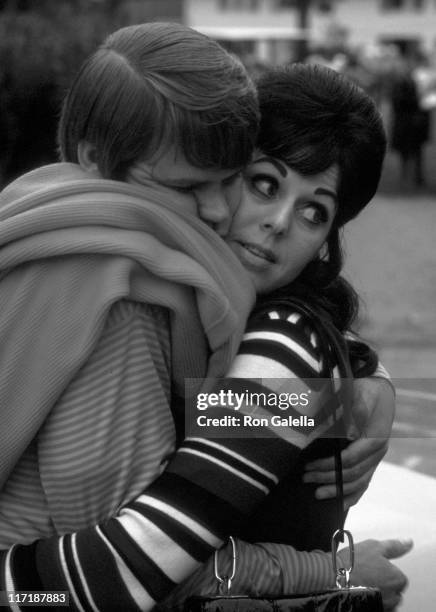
x: 87, y: 156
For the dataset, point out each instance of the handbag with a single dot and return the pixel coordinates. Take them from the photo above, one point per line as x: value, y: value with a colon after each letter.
x: 342, y: 598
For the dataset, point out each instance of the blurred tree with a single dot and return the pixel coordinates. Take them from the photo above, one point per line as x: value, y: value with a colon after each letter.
x: 42, y: 44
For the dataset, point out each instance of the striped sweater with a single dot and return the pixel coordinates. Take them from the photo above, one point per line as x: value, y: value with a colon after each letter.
x: 102, y: 444
x: 210, y: 486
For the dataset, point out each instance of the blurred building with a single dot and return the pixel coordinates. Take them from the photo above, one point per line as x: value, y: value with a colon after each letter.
x: 410, y: 24
x: 279, y: 30
x: 270, y: 30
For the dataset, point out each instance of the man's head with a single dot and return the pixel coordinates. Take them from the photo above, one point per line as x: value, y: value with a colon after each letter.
x: 156, y: 90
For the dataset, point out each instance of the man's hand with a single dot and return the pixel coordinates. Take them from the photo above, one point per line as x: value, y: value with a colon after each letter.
x: 373, y: 415
x: 372, y: 568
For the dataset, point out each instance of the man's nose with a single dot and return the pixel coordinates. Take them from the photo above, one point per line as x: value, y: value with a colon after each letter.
x: 213, y: 208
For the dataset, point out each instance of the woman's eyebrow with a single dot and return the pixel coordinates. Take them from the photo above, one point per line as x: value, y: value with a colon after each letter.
x: 327, y: 192
x: 280, y: 167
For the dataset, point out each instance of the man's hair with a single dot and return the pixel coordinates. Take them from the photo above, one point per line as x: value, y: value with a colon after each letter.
x: 152, y: 86
x: 311, y: 118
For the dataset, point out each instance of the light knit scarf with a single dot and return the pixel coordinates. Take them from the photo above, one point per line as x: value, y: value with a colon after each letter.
x: 70, y: 247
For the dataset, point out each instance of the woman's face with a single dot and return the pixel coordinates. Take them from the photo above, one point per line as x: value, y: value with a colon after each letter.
x: 282, y: 221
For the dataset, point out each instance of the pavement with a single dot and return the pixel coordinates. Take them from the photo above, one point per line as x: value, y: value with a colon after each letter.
x: 384, y: 512
x: 391, y: 261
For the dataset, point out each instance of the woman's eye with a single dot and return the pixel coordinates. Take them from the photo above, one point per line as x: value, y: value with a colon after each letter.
x: 315, y: 214
x: 267, y: 186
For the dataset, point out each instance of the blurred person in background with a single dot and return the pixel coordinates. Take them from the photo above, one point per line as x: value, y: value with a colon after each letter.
x: 410, y: 121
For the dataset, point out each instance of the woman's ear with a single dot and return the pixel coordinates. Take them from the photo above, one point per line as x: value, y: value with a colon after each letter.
x: 323, y: 253
x: 87, y: 156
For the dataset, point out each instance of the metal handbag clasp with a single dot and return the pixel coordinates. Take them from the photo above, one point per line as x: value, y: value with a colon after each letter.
x: 342, y: 574
x: 225, y: 582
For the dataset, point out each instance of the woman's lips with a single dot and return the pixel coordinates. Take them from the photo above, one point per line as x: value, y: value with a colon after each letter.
x: 254, y: 255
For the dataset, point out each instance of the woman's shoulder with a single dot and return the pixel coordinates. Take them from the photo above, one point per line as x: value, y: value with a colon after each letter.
x: 285, y: 319
x: 280, y: 339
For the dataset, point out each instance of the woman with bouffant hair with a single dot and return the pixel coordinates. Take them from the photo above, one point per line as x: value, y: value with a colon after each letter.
x: 313, y: 118
x: 316, y: 166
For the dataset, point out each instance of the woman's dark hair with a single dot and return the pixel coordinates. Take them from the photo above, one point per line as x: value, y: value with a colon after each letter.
x: 313, y: 118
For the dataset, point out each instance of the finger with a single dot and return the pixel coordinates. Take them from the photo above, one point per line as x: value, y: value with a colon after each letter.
x: 358, y: 451
x: 392, y: 601
x: 358, y: 485
x: 362, y: 471
x: 321, y: 465
x: 356, y: 488
x: 393, y: 592
x: 351, y: 500
x: 322, y: 478
x: 362, y: 449
x: 353, y: 432
x: 392, y: 549
x: 352, y: 477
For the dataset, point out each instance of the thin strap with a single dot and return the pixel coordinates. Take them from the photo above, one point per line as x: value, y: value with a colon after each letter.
x: 334, y: 351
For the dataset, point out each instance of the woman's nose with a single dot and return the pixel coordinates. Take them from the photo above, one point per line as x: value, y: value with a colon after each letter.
x: 278, y: 221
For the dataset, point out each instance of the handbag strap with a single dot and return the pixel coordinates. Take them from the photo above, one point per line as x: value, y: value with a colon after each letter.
x: 334, y: 351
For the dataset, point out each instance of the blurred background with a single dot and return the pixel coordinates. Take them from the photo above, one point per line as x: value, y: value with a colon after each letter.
x: 386, y: 46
